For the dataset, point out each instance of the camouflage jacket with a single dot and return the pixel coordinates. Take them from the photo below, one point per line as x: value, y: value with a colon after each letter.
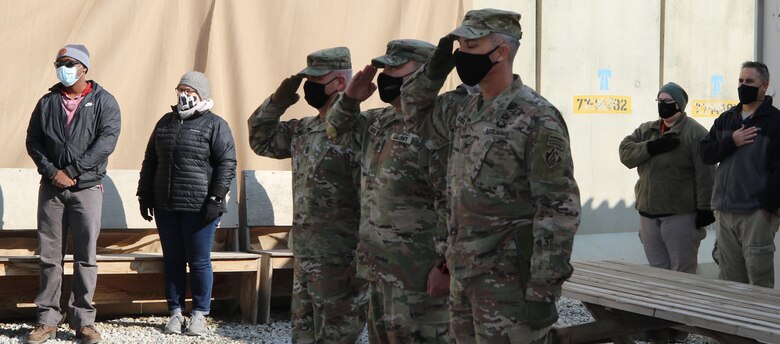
x: 512, y: 190
x: 403, y: 232
x: 325, y: 181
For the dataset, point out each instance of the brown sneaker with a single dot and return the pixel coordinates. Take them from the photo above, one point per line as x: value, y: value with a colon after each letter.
x: 41, y: 333
x: 88, y: 335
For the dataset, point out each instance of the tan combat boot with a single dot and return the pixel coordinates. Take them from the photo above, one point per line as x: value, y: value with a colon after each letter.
x: 41, y: 333
x: 88, y: 335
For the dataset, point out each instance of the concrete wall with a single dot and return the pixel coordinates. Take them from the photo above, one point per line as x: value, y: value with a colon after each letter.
x: 601, y: 63
x: 771, y: 56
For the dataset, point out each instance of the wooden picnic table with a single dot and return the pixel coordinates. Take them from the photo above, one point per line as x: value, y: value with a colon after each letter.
x: 627, y: 298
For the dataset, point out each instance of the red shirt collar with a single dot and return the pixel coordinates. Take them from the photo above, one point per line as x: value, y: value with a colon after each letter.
x: 83, y: 93
x: 663, y: 128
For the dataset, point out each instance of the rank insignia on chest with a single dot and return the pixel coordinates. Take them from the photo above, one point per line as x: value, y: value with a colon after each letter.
x: 373, y: 130
x: 460, y: 120
x: 497, y: 132
x: 402, y: 137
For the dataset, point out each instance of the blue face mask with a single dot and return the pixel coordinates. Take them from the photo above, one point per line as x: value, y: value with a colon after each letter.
x: 68, y: 76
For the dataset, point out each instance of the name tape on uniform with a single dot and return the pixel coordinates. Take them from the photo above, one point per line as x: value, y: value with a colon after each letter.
x: 620, y: 105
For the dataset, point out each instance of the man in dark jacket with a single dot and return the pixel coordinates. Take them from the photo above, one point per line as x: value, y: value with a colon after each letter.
x: 72, y: 131
x: 745, y: 140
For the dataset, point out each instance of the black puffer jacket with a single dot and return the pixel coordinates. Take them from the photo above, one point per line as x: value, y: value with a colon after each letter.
x: 186, y: 161
x: 82, y: 151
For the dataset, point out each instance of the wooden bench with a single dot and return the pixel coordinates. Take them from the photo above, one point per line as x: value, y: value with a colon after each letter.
x: 128, y: 251
x: 237, y: 277
x: 627, y: 298
x: 266, y: 212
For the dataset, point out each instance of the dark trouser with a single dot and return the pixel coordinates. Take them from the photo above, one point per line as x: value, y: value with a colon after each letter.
x: 186, y: 241
x: 60, y: 211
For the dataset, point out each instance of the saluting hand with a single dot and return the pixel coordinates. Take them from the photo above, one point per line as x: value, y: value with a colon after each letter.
x: 441, y: 62
x: 743, y: 136
x: 285, y: 95
x: 361, y: 87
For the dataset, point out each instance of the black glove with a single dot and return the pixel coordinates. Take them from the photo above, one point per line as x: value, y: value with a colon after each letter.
x: 441, y: 62
x: 704, y: 217
x: 285, y: 94
x: 211, y: 210
x: 540, y: 314
x: 662, y: 145
x: 147, y: 210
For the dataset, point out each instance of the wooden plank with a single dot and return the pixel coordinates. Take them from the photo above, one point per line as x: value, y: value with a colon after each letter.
x: 647, y: 283
x: 266, y: 278
x: 686, y: 317
x: 690, y: 280
x: 661, y: 305
x: 625, y: 287
x: 248, y: 293
x: 724, y: 289
x: 719, y: 303
x: 727, y: 308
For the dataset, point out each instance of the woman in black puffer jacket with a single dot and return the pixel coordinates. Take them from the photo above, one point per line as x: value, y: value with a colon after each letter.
x: 188, y: 167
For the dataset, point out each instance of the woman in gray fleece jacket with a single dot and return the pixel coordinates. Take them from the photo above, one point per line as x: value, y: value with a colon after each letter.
x: 674, y: 188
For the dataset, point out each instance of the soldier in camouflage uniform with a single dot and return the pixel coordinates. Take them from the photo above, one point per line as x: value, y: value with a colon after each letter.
x: 326, y: 299
x: 513, y: 199
x: 403, y: 208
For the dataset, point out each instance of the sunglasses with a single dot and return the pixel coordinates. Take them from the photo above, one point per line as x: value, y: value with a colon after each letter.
x: 66, y: 63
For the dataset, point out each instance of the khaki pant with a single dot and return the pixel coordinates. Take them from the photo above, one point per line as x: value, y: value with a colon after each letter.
x: 60, y: 211
x: 746, y: 247
x: 672, y: 242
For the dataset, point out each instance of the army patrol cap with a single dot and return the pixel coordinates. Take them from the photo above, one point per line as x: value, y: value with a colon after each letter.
x: 480, y: 23
x: 324, y: 61
x: 400, y: 51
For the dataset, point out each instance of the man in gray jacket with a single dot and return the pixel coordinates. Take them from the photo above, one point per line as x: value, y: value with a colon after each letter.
x: 72, y: 131
x: 745, y: 142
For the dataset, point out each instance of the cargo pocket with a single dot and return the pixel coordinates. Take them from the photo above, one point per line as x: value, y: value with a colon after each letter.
x: 760, y: 261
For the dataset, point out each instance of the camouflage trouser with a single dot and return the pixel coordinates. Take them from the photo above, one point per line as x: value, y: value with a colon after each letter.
x: 328, y: 302
x: 402, y: 316
x: 490, y: 308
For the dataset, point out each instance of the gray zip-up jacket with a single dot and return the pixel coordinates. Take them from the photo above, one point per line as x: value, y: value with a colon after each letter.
x: 83, y: 150
x: 748, y: 177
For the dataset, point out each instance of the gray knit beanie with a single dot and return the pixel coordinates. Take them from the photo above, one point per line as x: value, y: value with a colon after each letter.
x: 76, y: 51
x: 197, y: 81
x: 677, y: 93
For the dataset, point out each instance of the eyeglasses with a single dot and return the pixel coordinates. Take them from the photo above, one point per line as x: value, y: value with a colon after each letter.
x: 665, y: 101
x: 66, y: 63
x: 187, y: 91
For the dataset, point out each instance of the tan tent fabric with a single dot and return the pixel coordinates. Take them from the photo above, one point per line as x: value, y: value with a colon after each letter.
x: 140, y: 48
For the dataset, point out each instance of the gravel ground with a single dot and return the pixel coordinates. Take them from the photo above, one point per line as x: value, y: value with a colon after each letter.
x: 232, y: 330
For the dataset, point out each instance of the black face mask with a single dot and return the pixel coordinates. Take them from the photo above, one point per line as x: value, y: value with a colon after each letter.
x: 747, y: 94
x: 667, y: 110
x: 389, y: 86
x: 314, y: 93
x: 473, y: 67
